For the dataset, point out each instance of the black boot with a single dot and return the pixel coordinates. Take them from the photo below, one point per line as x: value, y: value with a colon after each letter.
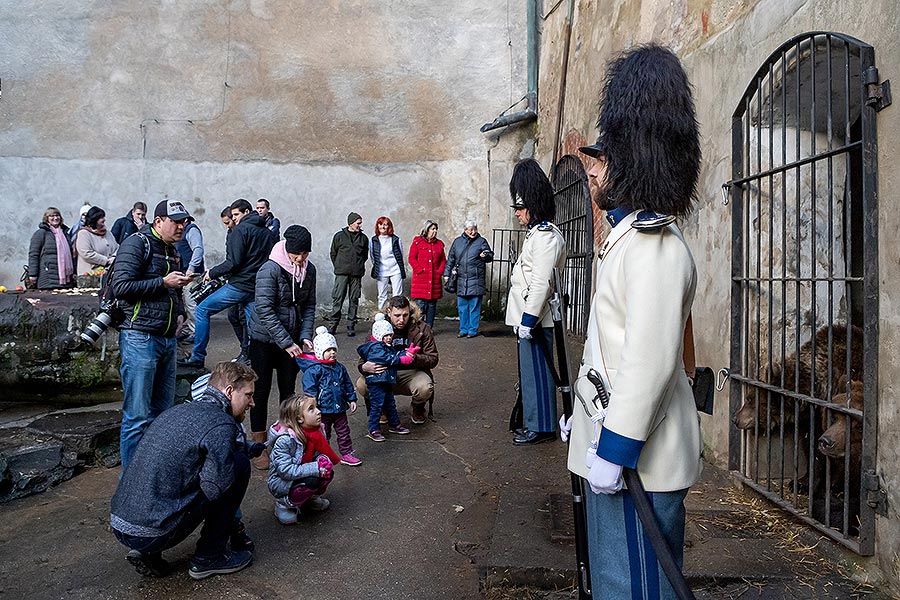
x: 239, y: 538
x: 351, y: 329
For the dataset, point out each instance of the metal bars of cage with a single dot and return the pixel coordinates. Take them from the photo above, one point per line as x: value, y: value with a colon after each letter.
x: 804, y: 305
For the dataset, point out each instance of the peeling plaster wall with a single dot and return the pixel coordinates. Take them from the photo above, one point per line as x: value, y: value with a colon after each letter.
x: 722, y: 43
x: 321, y: 107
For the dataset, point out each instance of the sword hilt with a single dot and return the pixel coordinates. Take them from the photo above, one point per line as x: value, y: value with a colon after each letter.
x: 594, y: 377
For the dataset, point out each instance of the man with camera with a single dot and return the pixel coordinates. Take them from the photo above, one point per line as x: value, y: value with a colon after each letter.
x: 247, y: 248
x: 146, y: 282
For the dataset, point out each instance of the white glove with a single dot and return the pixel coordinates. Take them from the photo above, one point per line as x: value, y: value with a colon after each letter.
x: 565, y: 427
x: 524, y: 332
x: 605, y: 477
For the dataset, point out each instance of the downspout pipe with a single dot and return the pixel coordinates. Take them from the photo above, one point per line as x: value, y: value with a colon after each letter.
x: 530, y: 112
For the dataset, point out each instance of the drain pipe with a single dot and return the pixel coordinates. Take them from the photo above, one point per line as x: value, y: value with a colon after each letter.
x: 561, y: 103
x: 530, y: 112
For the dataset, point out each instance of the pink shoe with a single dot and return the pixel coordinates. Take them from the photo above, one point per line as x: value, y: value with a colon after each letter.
x: 350, y: 460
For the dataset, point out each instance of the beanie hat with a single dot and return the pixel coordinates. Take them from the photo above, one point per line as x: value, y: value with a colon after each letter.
x: 297, y: 239
x: 352, y: 217
x: 381, y: 327
x: 323, y: 341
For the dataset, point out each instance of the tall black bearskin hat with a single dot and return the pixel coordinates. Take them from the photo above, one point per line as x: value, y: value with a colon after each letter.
x: 648, y: 132
x: 529, y: 188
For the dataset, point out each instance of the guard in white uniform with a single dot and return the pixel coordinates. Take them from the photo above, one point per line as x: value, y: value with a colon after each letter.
x: 527, y: 306
x: 645, y: 174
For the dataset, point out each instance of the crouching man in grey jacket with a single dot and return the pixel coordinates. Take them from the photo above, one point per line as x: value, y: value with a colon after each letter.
x: 190, y: 467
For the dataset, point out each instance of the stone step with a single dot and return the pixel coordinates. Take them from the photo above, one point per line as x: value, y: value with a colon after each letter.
x: 92, y: 435
x: 31, y: 462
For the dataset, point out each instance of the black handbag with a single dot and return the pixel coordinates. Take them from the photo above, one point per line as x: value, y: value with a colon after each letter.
x: 450, y: 284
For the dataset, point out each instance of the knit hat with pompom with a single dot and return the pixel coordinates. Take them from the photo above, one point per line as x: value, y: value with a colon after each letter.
x: 323, y: 341
x: 381, y: 327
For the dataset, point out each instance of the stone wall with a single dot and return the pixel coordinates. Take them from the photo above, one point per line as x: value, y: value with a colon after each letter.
x: 321, y: 107
x: 722, y: 43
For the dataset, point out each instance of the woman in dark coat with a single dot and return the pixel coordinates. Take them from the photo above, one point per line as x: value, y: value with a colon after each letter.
x: 468, y: 256
x: 427, y: 259
x: 50, y: 264
x: 282, y: 320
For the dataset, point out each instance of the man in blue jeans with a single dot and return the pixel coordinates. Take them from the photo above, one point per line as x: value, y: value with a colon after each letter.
x: 147, y: 281
x: 247, y: 248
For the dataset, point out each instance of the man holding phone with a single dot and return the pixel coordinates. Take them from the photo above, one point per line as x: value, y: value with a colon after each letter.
x: 147, y: 282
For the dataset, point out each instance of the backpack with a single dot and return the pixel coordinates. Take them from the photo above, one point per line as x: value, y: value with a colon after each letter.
x: 108, y: 302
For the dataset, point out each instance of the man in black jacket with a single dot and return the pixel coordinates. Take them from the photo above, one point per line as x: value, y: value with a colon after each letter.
x: 191, y: 467
x: 247, y: 248
x: 349, y: 249
x: 130, y: 223
x: 147, y: 281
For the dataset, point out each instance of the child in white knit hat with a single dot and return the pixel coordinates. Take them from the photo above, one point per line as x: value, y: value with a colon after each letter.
x: 381, y: 393
x: 327, y: 380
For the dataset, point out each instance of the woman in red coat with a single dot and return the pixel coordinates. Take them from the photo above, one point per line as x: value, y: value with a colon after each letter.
x: 427, y: 259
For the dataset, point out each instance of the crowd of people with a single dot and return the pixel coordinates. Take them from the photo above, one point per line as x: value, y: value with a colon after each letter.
x: 268, y: 286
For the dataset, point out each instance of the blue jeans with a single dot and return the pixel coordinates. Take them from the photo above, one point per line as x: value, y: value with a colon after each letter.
x: 224, y: 297
x: 469, y: 308
x: 381, y: 397
x: 428, y: 308
x: 148, y: 384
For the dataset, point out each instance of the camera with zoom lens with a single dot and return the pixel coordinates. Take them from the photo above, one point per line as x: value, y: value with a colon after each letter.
x: 203, y: 289
x: 110, y: 315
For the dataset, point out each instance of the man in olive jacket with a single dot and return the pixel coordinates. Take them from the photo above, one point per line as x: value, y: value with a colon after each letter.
x: 349, y: 249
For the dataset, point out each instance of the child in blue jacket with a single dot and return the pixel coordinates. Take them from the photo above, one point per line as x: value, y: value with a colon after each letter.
x: 326, y: 380
x: 381, y: 385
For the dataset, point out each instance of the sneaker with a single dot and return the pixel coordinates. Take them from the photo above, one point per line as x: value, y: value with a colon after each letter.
x: 240, y: 541
x: 376, y: 436
x: 460, y: 335
x: 228, y: 562
x: 285, y: 513
x: 242, y: 358
x: 419, y: 414
x: 317, y: 503
x: 471, y: 335
x: 383, y: 419
x: 350, y: 460
x: 148, y: 565
x: 398, y: 429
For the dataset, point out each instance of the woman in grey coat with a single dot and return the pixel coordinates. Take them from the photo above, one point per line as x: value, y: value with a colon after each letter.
x: 467, y: 259
x: 50, y: 264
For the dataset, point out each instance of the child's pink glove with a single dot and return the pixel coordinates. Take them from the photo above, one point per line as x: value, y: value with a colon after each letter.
x: 326, y: 468
x: 407, y: 358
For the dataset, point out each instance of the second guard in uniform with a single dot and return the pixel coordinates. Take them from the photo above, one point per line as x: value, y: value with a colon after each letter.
x: 527, y: 306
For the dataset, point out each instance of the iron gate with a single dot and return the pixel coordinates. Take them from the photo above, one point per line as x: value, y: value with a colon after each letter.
x: 804, y: 295
x: 574, y: 217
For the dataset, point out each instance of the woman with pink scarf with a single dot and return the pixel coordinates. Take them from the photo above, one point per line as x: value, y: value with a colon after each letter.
x: 50, y: 264
x: 281, y: 324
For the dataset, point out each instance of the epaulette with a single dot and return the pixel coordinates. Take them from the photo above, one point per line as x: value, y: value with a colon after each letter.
x: 545, y: 226
x: 650, y: 222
